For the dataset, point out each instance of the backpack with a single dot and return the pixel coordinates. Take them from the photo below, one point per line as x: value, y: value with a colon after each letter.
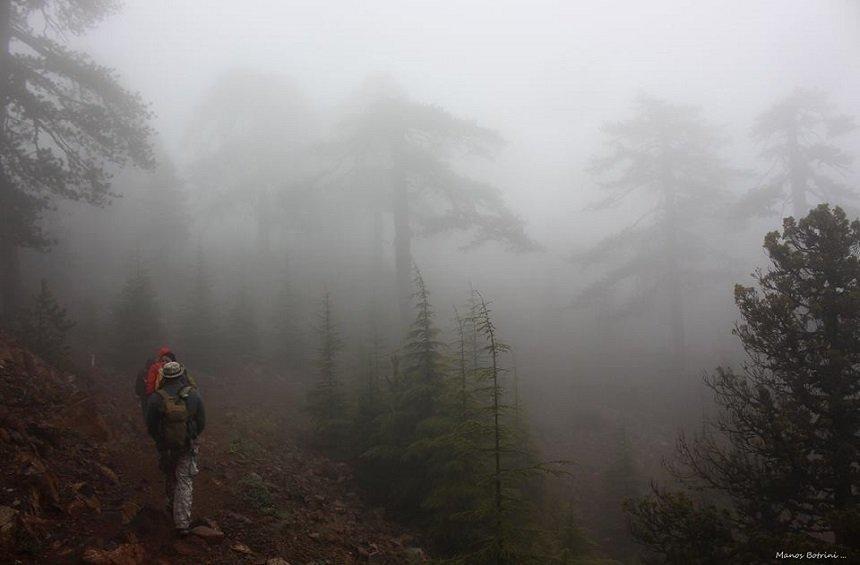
x: 174, y: 419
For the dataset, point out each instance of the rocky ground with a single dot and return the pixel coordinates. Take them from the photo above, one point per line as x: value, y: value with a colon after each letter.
x: 79, y: 480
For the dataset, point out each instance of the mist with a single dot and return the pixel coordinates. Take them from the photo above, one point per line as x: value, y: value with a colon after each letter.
x: 314, y: 201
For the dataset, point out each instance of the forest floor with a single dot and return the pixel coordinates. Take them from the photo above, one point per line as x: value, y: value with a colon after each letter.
x: 80, y: 480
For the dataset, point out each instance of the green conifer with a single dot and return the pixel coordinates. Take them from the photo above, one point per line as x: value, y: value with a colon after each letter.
x: 43, y: 326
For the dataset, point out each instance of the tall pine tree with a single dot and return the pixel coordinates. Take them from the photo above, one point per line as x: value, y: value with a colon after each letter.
x: 782, y: 459
x: 799, y: 142
x: 65, y: 123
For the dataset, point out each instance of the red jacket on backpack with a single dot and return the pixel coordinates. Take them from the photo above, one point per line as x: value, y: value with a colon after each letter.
x: 155, y: 369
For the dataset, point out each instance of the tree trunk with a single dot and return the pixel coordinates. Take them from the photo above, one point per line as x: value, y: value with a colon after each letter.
x: 9, y: 275
x: 675, y: 290
x: 798, y: 177
x: 402, y: 247
x: 674, y: 282
x: 9, y: 271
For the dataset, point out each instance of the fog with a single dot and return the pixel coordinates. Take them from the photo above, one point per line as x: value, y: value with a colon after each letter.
x: 266, y: 121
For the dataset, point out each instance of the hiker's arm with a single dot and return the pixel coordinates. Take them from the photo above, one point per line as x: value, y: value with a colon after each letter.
x: 140, y: 384
x: 200, y: 416
x: 153, y: 415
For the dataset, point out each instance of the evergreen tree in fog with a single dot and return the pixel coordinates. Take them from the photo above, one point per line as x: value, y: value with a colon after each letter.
x: 798, y: 137
x: 667, y: 156
x: 136, y: 325
x: 246, y: 142
x: 43, y: 326
x: 199, y: 332
x: 242, y: 335
x: 782, y: 458
x: 66, y: 122
x: 402, y: 157
x: 326, y: 402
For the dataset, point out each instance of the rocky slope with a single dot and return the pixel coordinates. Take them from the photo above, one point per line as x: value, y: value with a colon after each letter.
x: 80, y: 482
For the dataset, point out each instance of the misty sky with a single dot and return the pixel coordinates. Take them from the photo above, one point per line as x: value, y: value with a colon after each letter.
x: 546, y: 74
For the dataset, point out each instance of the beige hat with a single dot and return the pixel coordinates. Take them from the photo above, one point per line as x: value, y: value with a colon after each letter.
x: 172, y: 370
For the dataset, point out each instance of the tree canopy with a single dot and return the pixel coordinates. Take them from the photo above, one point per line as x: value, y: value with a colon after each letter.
x: 799, y: 141
x: 781, y: 460
x: 66, y: 123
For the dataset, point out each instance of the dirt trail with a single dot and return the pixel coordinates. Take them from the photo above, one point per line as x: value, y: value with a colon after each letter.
x: 81, y: 483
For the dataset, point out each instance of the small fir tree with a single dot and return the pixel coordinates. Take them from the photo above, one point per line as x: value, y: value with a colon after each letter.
x: 137, y: 329
x: 413, y: 418
x: 43, y: 326
x: 199, y: 325
x: 503, y: 521
x: 289, y: 345
x: 243, y: 333
x: 325, y: 401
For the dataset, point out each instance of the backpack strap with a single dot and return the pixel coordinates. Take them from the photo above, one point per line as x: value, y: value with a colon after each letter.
x: 165, y: 396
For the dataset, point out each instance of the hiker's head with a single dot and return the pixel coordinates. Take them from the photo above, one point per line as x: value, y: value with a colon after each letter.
x: 172, y: 370
x: 165, y: 355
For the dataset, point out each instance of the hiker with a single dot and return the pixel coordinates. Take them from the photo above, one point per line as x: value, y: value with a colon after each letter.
x: 140, y: 384
x: 175, y: 418
x: 153, y: 374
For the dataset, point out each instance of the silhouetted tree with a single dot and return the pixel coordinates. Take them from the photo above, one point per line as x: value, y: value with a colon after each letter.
x: 783, y: 456
x: 401, y: 450
x: 668, y: 154
x: 798, y: 139
x: 136, y: 324
x: 242, y: 334
x: 65, y: 123
x: 369, y: 401
x: 325, y: 401
x: 423, y: 351
x: 43, y: 326
x: 504, y: 523
x: 402, y: 155
x: 247, y: 140
x: 200, y: 334
x: 287, y: 319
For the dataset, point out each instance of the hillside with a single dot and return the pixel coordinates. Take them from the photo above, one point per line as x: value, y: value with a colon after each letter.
x: 80, y: 480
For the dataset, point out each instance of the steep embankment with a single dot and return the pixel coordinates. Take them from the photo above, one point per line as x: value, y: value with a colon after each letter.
x: 80, y: 479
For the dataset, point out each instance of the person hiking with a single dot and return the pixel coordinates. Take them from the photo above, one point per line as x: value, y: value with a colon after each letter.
x: 140, y: 384
x: 153, y: 374
x: 175, y: 418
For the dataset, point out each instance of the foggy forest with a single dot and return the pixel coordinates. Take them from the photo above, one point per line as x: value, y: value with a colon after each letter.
x: 456, y: 282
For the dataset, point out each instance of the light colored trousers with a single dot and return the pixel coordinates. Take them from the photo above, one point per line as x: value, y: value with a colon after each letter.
x: 179, y: 483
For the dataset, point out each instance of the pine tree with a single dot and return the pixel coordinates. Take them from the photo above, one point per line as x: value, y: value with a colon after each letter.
x: 408, y: 149
x: 620, y: 482
x: 423, y: 356
x: 781, y: 460
x: 574, y: 545
x: 453, y: 453
x: 413, y: 420
x: 242, y: 334
x: 669, y: 155
x: 286, y: 321
x: 137, y: 329
x: 67, y: 123
x: 503, y: 522
x: 369, y: 404
x: 325, y: 402
x: 199, y: 331
x: 798, y: 137
x: 43, y: 327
